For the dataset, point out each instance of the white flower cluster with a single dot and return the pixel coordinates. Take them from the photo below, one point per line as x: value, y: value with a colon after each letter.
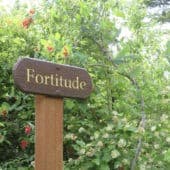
x: 115, y: 153
x: 121, y: 143
x: 71, y: 136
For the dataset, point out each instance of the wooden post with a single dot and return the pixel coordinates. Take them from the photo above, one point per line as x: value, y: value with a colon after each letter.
x: 49, y: 79
x: 49, y: 133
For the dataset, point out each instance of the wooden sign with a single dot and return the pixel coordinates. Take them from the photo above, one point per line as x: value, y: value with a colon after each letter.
x: 41, y: 77
x: 53, y: 82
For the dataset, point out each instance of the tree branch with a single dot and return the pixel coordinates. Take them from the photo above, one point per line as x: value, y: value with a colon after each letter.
x: 142, y: 122
x: 142, y: 103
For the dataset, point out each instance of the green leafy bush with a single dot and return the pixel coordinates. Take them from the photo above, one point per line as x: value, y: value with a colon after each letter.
x: 124, y: 124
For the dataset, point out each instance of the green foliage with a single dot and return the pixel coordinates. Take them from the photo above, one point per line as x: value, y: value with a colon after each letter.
x: 130, y: 72
x: 165, y: 17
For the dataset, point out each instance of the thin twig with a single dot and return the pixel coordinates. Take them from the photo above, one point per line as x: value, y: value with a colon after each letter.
x: 139, y: 146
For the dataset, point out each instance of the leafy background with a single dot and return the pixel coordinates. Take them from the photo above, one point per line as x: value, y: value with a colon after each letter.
x: 124, y: 124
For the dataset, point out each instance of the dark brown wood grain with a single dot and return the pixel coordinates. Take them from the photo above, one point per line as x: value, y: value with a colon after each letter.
x: 42, y: 77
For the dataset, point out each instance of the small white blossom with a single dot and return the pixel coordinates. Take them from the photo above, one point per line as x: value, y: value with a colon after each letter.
x: 115, y: 113
x: 115, y: 153
x: 82, y: 151
x: 121, y: 143
x: 81, y: 129
x: 109, y: 127
x: 125, y: 162
x: 164, y: 152
x: 153, y: 128
x: 166, y: 75
x: 69, y: 126
x: 106, y: 135
x: 90, y: 153
x: 33, y: 164
x: 71, y: 136
x: 168, y: 139
x: 124, y: 120
x: 91, y: 137
x: 156, y: 146
x: 96, y: 135
x: 115, y: 119
x: 100, y: 144
x: 164, y: 117
x: 70, y: 160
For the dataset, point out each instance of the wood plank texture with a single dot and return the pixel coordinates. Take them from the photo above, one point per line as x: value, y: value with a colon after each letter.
x: 49, y: 133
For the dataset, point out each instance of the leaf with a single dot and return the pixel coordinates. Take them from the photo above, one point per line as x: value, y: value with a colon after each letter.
x: 4, y: 107
x: 96, y: 161
x: 118, y: 13
x: 87, y: 165
x: 2, y: 125
x: 81, y: 143
x: 1, y: 138
x: 106, y: 157
x: 104, y: 167
x: 57, y: 36
x: 70, y: 104
x: 16, y: 104
x: 167, y: 52
x: 84, y: 10
x: 167, y: 156
x: 121, y: 59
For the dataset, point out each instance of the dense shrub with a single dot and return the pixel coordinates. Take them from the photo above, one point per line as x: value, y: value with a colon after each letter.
x: 124, y: 123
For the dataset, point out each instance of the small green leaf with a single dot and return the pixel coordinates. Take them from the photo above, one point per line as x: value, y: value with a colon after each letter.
x: 96, y: 161
x: 4, y: 107
x: 69, y: 104
x: 118, y: 13
x: 106, y: 157
x: 1, y: 138
x: 2, y: 125
x: 167, y: 156
x: 81, y: 143
x: 57, y: 36
x: 104, y: 167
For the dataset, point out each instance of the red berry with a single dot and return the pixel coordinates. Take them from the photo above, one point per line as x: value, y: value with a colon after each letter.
x: 23, y: 144
x: 26, y: 22
x: 27, y: 129
x: 50, y: 48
